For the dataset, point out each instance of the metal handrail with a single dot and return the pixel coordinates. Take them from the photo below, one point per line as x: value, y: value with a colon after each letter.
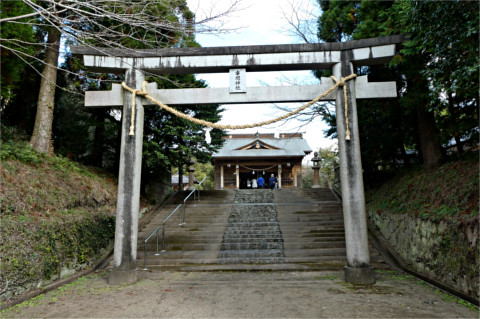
x: 185, y: 204
x: 165, y: 220
x: 163, y: 237
x: 199, y: 187
x: 194, y: 192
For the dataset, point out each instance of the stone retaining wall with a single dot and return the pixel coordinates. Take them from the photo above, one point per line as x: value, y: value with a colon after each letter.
x: 36, y: 253
x: 447, y: 252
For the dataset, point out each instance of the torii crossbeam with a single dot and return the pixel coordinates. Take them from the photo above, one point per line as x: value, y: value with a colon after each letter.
x: 341, y: 57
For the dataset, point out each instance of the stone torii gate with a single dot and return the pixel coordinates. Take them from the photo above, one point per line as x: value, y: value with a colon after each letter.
x: 341, y: 57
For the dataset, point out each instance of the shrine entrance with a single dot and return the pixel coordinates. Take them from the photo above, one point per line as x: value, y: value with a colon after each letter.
x: 342, y: 58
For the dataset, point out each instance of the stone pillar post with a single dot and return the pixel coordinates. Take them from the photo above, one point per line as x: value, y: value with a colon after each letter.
x: 358, y: 268
x: 295, y: 183
x: 237, y: 175
x: 222, y: 176
x: 316, y: 170
x: 279, y: 176
x: 128, y: 199
x: 316, y: 178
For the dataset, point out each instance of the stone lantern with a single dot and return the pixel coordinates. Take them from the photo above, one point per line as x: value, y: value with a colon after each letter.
x: 316, y: 169
x: 191, y: 169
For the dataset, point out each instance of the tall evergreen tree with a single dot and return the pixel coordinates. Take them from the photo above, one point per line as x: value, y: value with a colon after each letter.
x: 437, y: 73
x: 14, y: 36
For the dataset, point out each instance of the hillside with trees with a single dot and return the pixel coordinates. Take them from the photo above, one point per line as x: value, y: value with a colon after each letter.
x: 436, y: 72
x: 43, y: 98
x: 57, y: 216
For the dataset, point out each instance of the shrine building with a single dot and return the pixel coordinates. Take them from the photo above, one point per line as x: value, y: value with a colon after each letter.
x: 248, y: 156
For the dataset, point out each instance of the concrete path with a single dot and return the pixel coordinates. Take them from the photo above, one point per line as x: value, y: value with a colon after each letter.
x: 243, y: 295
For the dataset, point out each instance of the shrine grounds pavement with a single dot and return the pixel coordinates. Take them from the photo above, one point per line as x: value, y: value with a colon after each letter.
x: 244, y: 294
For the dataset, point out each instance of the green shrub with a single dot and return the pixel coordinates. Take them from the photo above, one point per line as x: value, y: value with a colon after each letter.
x: 20, y: 151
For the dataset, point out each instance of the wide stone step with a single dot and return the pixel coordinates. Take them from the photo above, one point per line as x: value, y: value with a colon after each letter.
x: 252, y: 220
x: 310, y: 247
x: 235, y: 238
x: 305, y: 227
x: 337, y: 251
x: 315, y: 217
x: 179, y: 254
x: 320, y: 233
x: 271, y: 231
x: 252, y: 260
x: 251, y: 245
x: 300, y: 240
x: 318, y: 259
x: 253, y: 225
x: 251, y: 253
x: 199, y: 260
x: 305, y: 223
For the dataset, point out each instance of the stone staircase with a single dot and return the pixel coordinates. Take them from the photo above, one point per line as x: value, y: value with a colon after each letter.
x: 198, y: 240
x: 312, y: 227
x: 253, y: 233
x: 287, y: 229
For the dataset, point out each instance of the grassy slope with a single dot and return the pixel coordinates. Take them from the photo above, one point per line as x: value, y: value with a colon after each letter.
x: 34, y: 186
x: 450, y: 192
x: 55, y: 213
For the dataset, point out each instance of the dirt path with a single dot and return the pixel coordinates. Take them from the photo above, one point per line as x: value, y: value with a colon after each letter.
x: 243, y: 295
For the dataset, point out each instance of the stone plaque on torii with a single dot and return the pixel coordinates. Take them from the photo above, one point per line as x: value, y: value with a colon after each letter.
x: 341, y: 57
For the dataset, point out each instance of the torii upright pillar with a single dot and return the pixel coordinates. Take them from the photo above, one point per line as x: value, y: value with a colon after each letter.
x: 128, y: 200
x: 358, y: 269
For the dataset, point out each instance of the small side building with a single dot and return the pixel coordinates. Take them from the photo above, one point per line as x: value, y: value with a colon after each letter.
x: 248, y: 156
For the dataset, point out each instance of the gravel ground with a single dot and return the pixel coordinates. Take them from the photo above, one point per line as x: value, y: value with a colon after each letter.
x: 243, y: 295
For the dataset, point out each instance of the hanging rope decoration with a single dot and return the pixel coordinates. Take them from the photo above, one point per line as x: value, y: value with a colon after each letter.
x: 342, y: 83
x: 259, y: 169
x: 143, y: 92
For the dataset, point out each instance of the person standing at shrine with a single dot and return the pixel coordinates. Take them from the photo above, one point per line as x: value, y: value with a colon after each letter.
x: 254, y: 183
x: 272, y: 182
x: 261, y: 182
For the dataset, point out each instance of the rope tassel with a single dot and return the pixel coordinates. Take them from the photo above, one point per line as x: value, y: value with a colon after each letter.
x: 135, y: 92
x: 143, y: 92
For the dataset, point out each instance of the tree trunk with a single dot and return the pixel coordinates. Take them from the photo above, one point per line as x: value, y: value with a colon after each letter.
x: 180, y: 178
x: 453, y: 114
x: 41, y: 139
x: 431, y: 150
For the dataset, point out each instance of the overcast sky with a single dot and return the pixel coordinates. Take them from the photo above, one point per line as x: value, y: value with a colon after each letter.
x: 261, y: 22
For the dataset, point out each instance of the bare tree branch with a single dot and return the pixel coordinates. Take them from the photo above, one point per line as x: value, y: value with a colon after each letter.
x: 301, y: 18
x: 85, y: 23
x: 33, y: 14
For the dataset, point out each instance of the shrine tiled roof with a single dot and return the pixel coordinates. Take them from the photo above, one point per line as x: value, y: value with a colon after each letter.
x: 263, y: 147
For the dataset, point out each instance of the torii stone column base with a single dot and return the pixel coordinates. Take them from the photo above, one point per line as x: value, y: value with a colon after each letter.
x: 360, y: 276
x: 122, y: 277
